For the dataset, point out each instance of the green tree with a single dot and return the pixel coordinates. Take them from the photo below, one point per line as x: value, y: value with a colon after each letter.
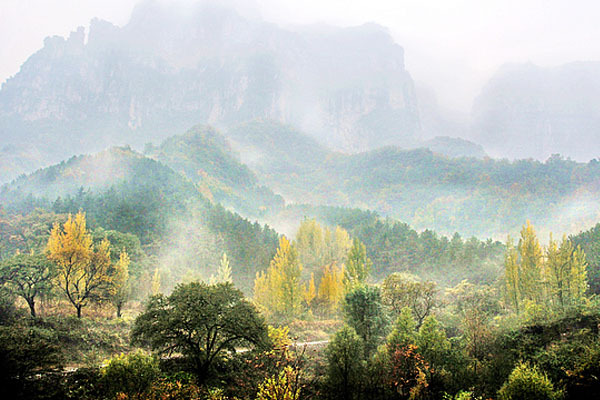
x: 566, y: 273
x: 523, y: 268
x: 364, y: 312
x: 345, y: 368
x: 404, y: 331
x: 527, y: 382
x: 358, y: 265
x: 201, y: 322
x: 29, y: 276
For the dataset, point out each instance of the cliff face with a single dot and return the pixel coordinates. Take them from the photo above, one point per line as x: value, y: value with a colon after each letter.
x: 169, y: 69
x: 528, y: 111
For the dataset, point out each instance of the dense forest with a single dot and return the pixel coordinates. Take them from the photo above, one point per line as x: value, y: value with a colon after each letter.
x: 137, y: 283
x: 202, y: 204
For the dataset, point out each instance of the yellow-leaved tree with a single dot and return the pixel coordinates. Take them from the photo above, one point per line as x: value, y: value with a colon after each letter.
x: 279, y: 289
x: 121, y: 287
x: 82, y: 269
x: 331, y: 288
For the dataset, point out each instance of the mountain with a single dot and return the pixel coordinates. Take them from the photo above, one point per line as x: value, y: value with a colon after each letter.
x: 205, y: 157
x: 120, y: 189
x: 168, y: 69
x: 480, y: 197
x: 529, y: 111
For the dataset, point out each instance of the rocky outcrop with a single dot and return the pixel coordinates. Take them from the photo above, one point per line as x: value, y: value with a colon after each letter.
x: 169, y: 69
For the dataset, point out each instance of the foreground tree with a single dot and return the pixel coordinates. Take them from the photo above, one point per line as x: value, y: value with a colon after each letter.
x: 82, y: 270
x: 345, y: 370
x: 364, y: 312
x: 528, y: 383
x: 29, y: 276
x: 201, y: 322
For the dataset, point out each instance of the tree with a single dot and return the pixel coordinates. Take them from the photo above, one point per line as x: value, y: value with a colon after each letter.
x: 345, y: 370
x: 29, y: 275
x: 565, y: 273
x: 432, y: 343
x: 530, y: 269
x: 224, y: 271
x: 155, y: 285
x: 523, y: 268
x: 310, y: 292
x: 200, y: 321
x: 331, y: 287
x: 364, y: 312
x: 82, y: 270
x: 527, y: 382
x: 358, y: 265
x: 279, y: 290
x: 402, y: 290
x: 404, y: 332
x: 283, y: 386
x: 121, y: 287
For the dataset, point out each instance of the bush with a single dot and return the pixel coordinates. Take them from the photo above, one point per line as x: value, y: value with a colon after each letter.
x: 130, y: 374
x: 528, y: 383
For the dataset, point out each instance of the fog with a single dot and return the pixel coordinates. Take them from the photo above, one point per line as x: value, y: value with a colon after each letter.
x: 451, y: 47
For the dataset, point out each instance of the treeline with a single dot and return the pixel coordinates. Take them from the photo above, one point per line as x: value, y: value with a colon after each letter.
x: 394, y: 246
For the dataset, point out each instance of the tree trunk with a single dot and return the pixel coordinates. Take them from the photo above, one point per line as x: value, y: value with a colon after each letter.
x: 118, y: 310
x: 31, y: 303
x: 78, y: 311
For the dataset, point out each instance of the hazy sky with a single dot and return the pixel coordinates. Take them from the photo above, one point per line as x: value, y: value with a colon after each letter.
x: 452, y: 46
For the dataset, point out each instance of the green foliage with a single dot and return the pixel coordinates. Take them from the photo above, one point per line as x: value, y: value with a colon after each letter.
x: 527, y: 382
x: 358, y: 265
x: 201, y: 322
x: 363, y: 311
x: 404, y: 331
x: 395, y: 246
x: 129, y: 373
x: 345, y: 365
x: 29, y: 276
x: 26, y: 349
x: 401, y: 290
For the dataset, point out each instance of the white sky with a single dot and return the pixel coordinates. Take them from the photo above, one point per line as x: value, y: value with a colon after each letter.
x: 452, y: 46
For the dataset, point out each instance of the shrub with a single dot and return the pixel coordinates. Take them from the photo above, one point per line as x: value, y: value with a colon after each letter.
x: 130, y: 374
x: 528, y: 383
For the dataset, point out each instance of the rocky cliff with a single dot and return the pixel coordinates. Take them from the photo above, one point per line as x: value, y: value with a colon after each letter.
x: 169, y: 69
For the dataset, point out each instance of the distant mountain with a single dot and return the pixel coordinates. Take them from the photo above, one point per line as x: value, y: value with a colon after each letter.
x: 529, y: 111
x: 205, y: 157
x: 169, y: 69
x: 480, y: 197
